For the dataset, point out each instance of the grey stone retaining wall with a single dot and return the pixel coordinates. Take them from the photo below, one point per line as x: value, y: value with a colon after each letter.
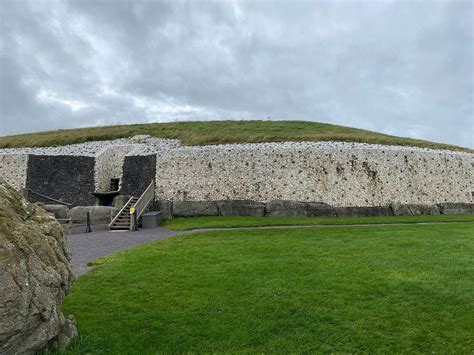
x: 138, y: 172
x: 66, y: 178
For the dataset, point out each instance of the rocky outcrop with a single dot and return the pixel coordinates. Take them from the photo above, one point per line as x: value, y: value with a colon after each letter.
x: 35, y: 275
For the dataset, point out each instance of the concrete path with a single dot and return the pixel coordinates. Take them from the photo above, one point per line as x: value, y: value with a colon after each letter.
x: 86, y: 247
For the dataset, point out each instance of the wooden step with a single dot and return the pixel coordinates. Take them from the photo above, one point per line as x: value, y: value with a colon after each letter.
x: 120, y: 228
x: 121, y: 225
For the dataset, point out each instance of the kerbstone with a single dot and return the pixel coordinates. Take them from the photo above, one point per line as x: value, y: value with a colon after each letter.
x: 297, y: 208
x: 99, y: 214
x: 195, y: 208
x: 414, y: 210
x: 241, y: 208
x: 363, y: 211
x: 457, y: 208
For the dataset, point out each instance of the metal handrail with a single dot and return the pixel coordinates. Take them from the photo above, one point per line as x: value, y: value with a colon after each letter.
x: 118, y: 214
x: 48, y: 198
x: 142, y: 203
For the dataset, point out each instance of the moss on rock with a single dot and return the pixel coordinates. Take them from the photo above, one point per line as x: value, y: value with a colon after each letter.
x: 35, y: 274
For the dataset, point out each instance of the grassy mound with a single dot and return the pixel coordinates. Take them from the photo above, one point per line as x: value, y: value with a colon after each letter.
x: 219, y: 132
x: 394, y: 289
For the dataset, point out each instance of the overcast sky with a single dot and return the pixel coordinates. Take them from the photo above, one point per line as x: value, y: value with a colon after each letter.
x: 399, y: 67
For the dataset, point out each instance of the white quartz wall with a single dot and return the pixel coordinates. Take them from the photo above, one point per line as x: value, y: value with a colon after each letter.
x: 340, y: 174
x: 109, y: 164
x: 13, y: 168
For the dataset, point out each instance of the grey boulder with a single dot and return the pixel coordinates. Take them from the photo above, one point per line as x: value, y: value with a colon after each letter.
x: 414, y: 210
x: 35, y: 276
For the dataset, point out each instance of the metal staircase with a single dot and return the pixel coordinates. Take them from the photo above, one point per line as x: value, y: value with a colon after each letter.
x: 124, y: 220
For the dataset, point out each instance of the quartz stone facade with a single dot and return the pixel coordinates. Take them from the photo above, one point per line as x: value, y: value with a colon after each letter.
x: 13, y: 169
x: 339, y: 174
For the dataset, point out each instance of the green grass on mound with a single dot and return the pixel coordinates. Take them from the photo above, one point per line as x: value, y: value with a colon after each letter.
x: 187, y: 223
x: 219, y: 132
x: 382, y: 289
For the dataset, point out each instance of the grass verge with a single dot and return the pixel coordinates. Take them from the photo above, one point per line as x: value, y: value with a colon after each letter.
x: 383, y: 289
x: 188, y: 223
x: 219, y: 132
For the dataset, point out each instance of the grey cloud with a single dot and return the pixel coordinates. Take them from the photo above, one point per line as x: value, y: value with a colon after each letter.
x: 403, y: 68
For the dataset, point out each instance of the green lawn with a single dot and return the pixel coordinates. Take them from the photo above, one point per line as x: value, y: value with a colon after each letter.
x: 380, y: 289
x: 187, y: 223
x: 219, y: 132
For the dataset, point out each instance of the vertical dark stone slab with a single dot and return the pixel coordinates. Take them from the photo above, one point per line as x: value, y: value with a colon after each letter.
x: 63, y: 177
x: 138, y: 172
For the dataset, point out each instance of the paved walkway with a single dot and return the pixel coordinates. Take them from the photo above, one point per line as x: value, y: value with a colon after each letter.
x: 86, y: 247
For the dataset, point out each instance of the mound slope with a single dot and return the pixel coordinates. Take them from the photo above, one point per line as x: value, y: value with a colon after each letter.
x: 219, y: 132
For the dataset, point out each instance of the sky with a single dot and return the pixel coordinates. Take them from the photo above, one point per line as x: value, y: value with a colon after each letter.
x: 399, y: 67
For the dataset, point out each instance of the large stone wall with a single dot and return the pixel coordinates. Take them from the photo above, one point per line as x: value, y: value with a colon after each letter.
x: 64, y: 177
x: 138, y: 172
x: 13, y: 168
x: 109, y: 164
x: 339, y: 174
